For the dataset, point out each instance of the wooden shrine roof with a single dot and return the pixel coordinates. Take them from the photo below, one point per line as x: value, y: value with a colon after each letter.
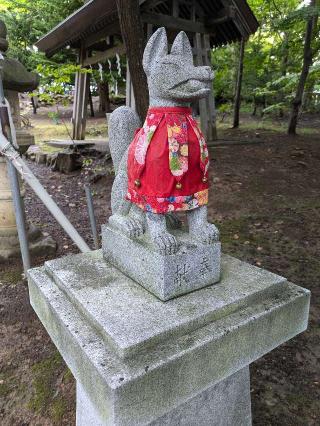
x: 224, y: 20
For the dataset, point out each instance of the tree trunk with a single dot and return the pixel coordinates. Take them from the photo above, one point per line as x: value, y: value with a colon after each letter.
x: 91, y: 103
x: 104, y: 99
x: 284, y: 63
x: 34, y: 102
x: 307, y: 62
x: 134, y: 40
x: 285, y: 55
x: 237, y: 98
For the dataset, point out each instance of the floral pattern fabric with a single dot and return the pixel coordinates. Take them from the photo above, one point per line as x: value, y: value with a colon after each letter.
x: 177, y: 142
x: 144, y: 137
x: 204, y: 154
x: 164, y: 205
x: 168, y: 162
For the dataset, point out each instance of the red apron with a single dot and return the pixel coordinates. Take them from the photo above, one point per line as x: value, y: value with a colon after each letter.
x: 168, y: 162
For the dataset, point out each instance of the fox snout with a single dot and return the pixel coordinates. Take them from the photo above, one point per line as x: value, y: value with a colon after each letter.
x: 202, y: 73
x: 207, y: 73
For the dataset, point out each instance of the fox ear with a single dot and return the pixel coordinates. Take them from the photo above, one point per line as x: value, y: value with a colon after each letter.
x: 181, y: 46
x: 156, y: 47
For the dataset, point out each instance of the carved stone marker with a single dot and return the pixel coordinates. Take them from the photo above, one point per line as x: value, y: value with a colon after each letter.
x: 194, y: 266
x: 139, y: 360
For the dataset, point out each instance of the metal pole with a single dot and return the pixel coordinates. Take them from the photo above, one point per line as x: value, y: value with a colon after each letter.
x: 8, y: 151
x: 93, y: 222
x: 20, y: 216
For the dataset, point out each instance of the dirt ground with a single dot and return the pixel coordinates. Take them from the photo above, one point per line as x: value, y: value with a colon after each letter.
x: 264, y: 198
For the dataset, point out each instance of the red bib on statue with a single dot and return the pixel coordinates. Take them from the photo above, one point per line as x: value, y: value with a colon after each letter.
x: 168, y: 162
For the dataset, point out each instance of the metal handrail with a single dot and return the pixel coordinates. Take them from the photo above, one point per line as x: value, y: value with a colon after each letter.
x: 17, y: 165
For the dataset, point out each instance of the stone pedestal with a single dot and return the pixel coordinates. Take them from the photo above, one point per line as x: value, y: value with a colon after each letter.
x: 194, y: 266
x: 140, y: 361
x: 24, y: 138
x: 8, y: 230
x: 227, y: 403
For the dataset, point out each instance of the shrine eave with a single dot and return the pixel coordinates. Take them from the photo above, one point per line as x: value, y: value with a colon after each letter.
x: 97, y: 19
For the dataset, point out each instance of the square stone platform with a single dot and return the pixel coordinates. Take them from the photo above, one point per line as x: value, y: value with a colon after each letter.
x: 140, y: 361
x: 195, y: 265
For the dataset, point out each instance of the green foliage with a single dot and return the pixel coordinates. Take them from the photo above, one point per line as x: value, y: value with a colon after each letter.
x: 275, y: 108
x: 57, y: 82
x: 273, y: 58
x: 54, y: 115
x: 272, y: 62
x: 28, y: 20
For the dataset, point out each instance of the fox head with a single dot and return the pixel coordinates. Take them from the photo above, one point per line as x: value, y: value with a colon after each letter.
x: 173, y: 78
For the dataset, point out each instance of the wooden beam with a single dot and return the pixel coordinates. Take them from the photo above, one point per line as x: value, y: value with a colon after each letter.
x: 102, y: 56
x: 222, y: 16
x: 174, y: 23
x: 80, y: 103
x: 150, y: 4
x: 175, y: 8
x: 112, y: 29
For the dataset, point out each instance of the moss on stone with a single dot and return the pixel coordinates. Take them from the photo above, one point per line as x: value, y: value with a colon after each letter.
x: 44, y: 374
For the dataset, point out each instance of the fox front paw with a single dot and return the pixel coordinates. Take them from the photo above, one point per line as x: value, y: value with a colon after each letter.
x: 207, y: 234
x: 165, y: 243
x: 131, y: 227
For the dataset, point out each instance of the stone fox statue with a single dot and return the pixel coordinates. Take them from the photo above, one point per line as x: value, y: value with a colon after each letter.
x: 164, y: 168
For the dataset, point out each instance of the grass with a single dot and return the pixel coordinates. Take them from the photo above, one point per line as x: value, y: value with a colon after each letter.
x: 266, y: 124
x: 45, y: 393
x: 12, y: 277
x: 57, y: 410
x: 44, y: 374
x: 5, y: 389
x: 45, y: 130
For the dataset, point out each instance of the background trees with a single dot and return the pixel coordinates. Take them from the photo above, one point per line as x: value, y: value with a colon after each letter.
x: 275, y: 78
x: 281, y: 62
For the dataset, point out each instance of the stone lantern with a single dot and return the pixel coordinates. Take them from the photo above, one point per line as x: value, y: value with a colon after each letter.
x: 15, y: 79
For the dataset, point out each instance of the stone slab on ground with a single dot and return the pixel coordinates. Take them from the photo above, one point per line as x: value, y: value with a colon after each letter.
x: 40, y: 244
x: 140, y: 359
x: 194, y: 266
x: 100, y: 144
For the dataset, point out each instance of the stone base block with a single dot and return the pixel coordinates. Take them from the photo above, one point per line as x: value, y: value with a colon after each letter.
x: 40, y: 244
x: 140, y: 361
x: 194, y: 266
